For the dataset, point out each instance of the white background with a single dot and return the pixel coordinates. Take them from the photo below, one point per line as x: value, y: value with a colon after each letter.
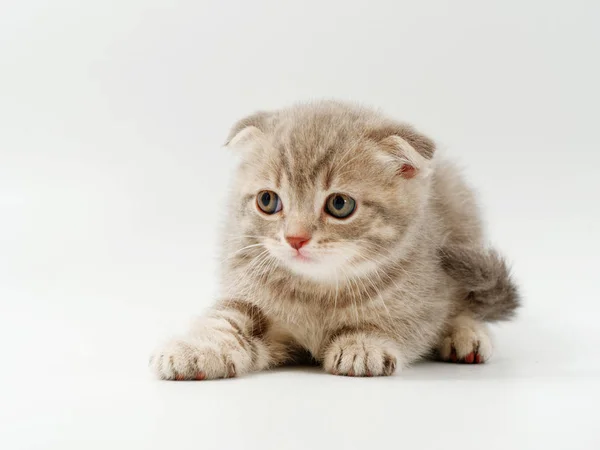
x: 112, y: 182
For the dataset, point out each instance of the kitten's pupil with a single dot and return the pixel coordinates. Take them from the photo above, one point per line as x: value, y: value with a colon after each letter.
x: 338, y: 202
x: 266, y: 199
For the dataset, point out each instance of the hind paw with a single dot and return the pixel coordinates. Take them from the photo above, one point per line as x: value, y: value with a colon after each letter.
x: 467, y: 342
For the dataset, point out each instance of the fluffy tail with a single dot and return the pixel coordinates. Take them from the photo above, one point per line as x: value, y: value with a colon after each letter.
x: 491, y: 293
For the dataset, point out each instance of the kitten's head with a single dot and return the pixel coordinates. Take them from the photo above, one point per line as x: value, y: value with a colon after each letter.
x: 327, y: 190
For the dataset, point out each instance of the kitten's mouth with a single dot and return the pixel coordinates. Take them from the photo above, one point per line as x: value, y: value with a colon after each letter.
x: 300, y: 257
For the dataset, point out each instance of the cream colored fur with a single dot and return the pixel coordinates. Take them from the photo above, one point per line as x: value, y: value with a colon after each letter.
x: 370, y: 294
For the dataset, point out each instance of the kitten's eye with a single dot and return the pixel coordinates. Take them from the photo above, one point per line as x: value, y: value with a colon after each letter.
x: 340, y: 206
x: 268, y: 202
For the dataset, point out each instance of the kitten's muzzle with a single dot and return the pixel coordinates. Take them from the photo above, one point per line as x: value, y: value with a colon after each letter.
x: 297, y: 242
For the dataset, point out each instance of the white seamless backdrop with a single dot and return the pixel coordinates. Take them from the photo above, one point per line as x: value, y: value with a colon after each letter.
x: 112, y: 183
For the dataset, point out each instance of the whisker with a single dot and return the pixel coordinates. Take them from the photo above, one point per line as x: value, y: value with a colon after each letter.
x: 241, y: 250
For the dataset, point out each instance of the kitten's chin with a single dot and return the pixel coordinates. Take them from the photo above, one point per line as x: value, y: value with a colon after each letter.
x: 333, y: 268
x: 316, y: 271
x: 326, y: 271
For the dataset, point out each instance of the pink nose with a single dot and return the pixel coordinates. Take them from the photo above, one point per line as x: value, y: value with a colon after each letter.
x: 297, y: 242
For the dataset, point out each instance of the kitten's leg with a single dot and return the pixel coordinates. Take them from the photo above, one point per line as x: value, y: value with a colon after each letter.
x: 234, y: 338
x: 467, y: 340
x: 358, y: 352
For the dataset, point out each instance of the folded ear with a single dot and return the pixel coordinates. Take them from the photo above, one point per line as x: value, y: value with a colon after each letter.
x: 408, y: 150
x: 248, y: 128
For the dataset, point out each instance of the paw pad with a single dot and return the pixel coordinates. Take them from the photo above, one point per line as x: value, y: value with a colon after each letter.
x: 470, y: 358
x: 467, y: 342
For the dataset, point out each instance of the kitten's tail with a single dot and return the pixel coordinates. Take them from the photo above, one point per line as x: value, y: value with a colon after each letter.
x: 492, y: 295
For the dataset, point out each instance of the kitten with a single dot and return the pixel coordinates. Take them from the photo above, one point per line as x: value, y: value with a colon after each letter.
x: 349, y: 241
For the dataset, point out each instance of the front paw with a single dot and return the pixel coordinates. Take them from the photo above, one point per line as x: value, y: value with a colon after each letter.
x: 198, y: 358
x: 360, y: 356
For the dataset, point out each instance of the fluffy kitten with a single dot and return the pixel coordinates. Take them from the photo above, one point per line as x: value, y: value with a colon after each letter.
x: 350, y: 242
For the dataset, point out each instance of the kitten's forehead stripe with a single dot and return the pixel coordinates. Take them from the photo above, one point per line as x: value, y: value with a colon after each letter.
x: 328, y: 178
x: 284, y: 161
x: 323, y: 165
x: 278, y: 172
